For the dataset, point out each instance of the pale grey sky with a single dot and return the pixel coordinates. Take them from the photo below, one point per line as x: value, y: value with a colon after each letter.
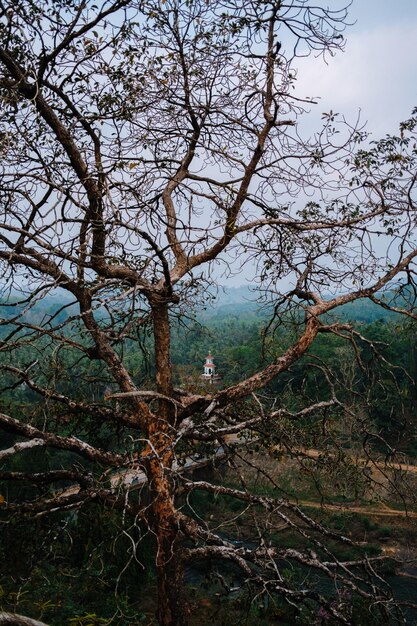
x: 376, y: 74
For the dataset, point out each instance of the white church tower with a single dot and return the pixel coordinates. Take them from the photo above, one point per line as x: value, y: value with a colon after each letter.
x: 209, y: 371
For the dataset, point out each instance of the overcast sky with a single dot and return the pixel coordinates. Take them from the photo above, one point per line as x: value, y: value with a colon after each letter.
x: 377, y: 73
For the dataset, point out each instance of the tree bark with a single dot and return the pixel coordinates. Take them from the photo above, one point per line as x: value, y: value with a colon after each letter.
x: 13, y: 619
x: 172, y: 609
x: 172, y: 605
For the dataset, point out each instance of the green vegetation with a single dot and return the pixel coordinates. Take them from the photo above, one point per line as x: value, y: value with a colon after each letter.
x: 93, y: 562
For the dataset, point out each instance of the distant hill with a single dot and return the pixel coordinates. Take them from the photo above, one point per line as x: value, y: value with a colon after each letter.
x: 228, y: 302
x: 241, y: 302
x: 236, y: 295
x: 231, y: 302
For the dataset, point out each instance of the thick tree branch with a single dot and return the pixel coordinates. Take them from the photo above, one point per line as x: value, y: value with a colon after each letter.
x: 11, y: 425
x: 13, y: 619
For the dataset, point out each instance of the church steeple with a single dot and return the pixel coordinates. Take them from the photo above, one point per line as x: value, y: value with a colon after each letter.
x: 209, y: 366
x: 209, y: 369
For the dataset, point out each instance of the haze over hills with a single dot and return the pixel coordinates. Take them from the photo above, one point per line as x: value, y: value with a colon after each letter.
x: 241, y: 302
x: 244, y: 301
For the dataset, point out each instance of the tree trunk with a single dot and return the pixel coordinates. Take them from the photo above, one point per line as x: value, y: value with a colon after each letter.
x: 172, y: 606
x: 172, y: 610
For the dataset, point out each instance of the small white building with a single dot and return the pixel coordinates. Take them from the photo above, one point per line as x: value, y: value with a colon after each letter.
x: 209, y: 370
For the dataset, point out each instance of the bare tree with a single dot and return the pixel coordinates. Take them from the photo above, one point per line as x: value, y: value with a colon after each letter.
x: 144, y: 146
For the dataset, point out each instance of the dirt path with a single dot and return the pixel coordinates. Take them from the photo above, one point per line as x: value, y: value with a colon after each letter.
x: 379, y: 509
x: 367, y: 462
x: 135, y: 479
x: 376, y: 510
